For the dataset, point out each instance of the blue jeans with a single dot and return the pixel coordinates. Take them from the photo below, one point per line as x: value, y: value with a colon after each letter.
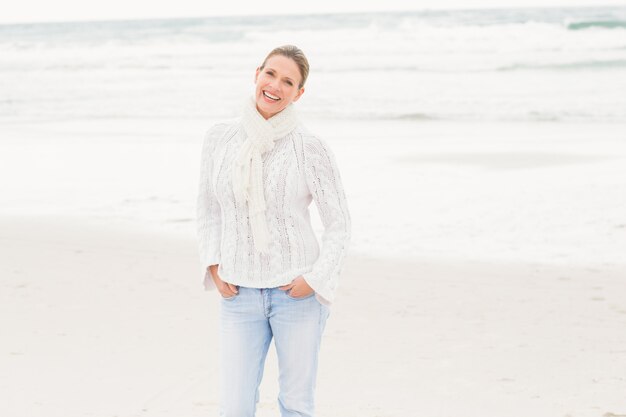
x: 248, y: 321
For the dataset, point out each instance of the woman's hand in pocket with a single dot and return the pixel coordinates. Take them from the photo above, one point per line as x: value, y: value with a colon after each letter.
x: 225, y: 288
x: 298, y: 288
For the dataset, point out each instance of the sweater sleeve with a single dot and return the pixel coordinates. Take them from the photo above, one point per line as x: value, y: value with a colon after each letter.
x: 208, y: 211
x: 324, y: 182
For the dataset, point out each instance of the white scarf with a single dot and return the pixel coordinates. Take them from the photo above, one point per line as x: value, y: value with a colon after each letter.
x: 247, y: 173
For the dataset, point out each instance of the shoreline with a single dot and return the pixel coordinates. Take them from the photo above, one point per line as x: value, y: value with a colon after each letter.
x: 551, y: 192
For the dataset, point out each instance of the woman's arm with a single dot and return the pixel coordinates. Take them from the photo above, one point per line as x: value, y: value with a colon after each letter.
x: 208, y: 215
x: 324, y: 181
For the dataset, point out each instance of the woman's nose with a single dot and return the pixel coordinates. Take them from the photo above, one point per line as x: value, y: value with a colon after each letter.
x: 274, y: 86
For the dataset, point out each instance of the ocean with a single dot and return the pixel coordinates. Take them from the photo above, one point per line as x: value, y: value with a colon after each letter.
x: 491, y: 135
x: 551, y: 64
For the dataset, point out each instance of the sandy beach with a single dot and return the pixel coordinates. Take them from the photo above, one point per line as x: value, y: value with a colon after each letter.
x: 496, y: 288
x: 109, y: 319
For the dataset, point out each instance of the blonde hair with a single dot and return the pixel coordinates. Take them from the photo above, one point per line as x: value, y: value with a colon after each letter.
x: 296, y: 54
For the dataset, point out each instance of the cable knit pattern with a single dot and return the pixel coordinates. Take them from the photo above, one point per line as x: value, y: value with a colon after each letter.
x: 299, y: 169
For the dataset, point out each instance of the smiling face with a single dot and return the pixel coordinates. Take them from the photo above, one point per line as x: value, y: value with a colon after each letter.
x: 277, y: 85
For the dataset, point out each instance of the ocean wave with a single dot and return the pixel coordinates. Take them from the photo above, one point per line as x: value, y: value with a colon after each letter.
x: 594, y: 64
x: 412, y: 116
x: 585, y: 64
x: 604, y: 24
x: 373, y: 115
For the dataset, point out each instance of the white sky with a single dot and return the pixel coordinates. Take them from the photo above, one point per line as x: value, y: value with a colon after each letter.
x: 69, y: 10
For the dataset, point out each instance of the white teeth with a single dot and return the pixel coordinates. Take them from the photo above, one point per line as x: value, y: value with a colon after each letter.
x: 266, y: 94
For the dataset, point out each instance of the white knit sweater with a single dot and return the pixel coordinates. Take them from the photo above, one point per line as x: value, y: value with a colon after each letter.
x: 300, y: 168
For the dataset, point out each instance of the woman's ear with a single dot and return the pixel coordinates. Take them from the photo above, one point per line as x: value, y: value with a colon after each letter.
x: 299, y: 94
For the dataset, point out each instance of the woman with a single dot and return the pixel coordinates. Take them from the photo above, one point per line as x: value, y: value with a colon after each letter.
x: 258, y: 176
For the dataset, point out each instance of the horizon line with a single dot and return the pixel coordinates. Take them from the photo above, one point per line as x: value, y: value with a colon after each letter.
x: 295, y: 14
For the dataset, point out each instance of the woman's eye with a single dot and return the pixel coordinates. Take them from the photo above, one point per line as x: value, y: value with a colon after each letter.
x: 289, y: 82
